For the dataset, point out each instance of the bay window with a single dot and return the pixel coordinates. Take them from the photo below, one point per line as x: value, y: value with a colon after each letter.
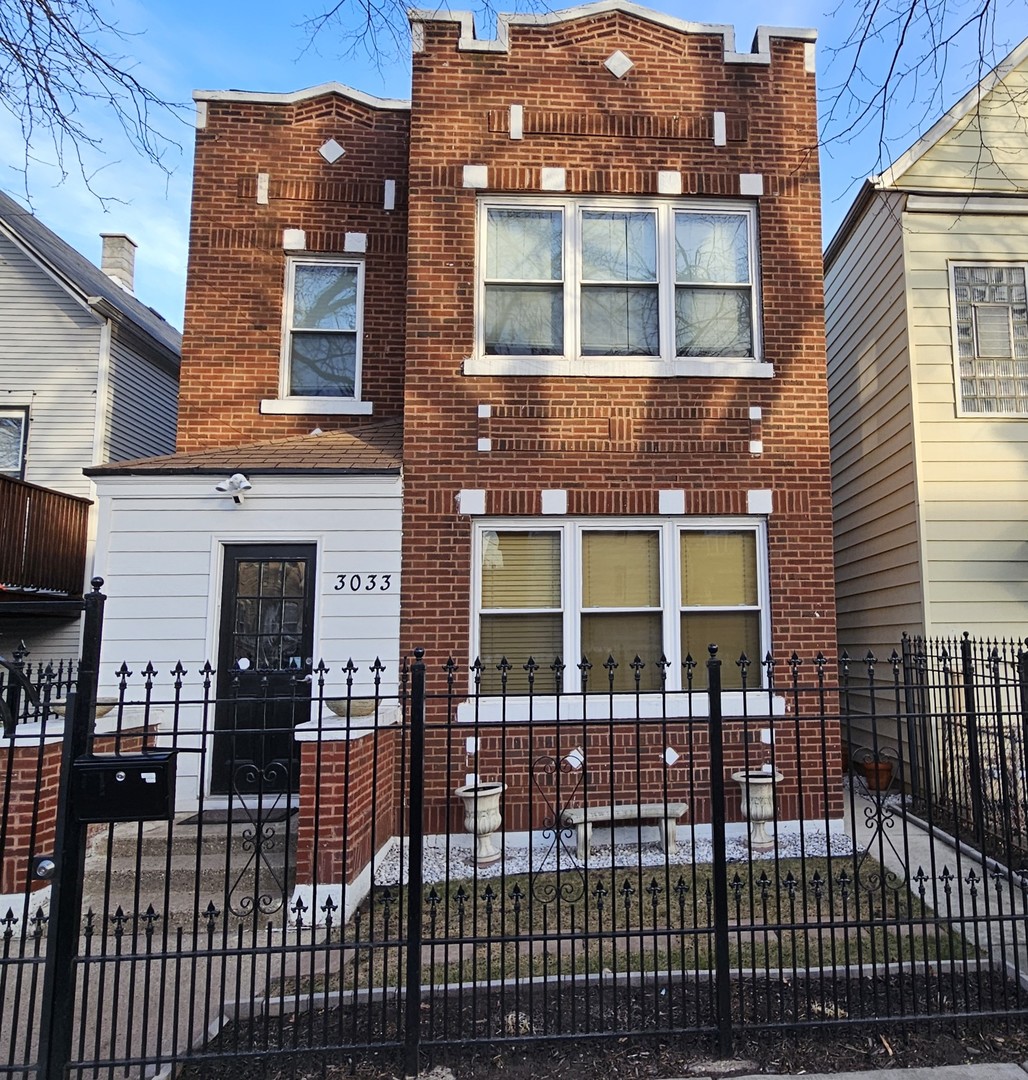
x: 576, y: 282
x: 660, y: 591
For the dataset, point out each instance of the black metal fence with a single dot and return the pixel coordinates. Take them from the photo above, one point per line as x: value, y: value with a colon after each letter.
x: 966, y: 703
x: 439, y: 867
x: 30, y: 691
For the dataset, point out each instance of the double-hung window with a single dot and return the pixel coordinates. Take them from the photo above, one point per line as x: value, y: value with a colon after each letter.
x: 652, y: 592
x: 991, y: 330
x: 321, y: 338
x: 594, y: 285
x: 13, y: 435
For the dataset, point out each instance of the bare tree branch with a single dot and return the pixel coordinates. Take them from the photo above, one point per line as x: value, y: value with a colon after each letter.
x: 896, y: 63
x: 60, y: 60
x: 378, y: 29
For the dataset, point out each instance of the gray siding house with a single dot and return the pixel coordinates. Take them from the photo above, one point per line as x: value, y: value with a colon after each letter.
x: 88, y: 375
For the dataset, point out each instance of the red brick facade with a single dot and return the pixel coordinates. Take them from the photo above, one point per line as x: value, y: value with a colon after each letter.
x: 232, y: 346
x: 612, y: 443
x: 726, y: 129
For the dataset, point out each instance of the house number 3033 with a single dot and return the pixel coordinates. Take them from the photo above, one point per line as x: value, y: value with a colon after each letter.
x: 363, y: 582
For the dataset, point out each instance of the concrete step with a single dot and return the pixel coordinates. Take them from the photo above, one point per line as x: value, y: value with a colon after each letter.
x: 154, y: 837
x: 130, y: 868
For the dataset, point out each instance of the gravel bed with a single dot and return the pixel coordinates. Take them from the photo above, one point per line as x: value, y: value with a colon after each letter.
x: 522, y: 860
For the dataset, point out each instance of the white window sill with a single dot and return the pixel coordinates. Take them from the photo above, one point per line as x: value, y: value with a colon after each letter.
x: 618, y: 367
x: 675, y: 705
x: 315, y: 406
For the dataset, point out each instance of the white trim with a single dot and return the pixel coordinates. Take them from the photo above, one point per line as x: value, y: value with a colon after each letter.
x: 553, y: 502
x: 553, y: 178
x: 720, y: 129
x: 23, y: 413
x: 678, y: 704
x: 298, y: 404
x: 958, y: 396
x: 103, y: 395
x: 315, y: 406
x: 295, y: 96
x: 471, y: 501
x: 470, y: 42
x: 671, y: 503
x: 571, y: 282
x: 621, y: 367
x: 475, y: 176
x: 966, y: 204
x: 389, y: 195
x: 751, y: 184
x: 517, y: 122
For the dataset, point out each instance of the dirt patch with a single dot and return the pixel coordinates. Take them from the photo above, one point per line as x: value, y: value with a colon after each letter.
x: 494, y: 1034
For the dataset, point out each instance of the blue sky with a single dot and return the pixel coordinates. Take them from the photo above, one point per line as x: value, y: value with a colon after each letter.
x: 184, y: 45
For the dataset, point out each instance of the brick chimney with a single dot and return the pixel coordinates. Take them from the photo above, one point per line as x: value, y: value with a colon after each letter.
x: 118, y: 259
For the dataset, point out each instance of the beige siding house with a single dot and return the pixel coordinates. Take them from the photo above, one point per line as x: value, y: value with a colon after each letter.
x: 928, y: 380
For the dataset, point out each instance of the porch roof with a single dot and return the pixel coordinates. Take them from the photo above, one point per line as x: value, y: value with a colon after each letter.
x: 371, y: 449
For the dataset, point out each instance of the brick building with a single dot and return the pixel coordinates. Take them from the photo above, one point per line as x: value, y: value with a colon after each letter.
x: 549, y: 337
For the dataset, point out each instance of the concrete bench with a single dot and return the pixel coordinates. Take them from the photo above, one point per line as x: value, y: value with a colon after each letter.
x: 663, y: 815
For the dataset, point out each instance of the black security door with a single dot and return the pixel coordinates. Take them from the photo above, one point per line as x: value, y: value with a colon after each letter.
x: 264, y: 660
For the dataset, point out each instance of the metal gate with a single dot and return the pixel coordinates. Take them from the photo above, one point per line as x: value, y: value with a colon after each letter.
x: 445, y: 867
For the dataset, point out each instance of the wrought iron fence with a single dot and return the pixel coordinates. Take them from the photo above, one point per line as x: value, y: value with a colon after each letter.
x: 428, y: 865
x: 29, y: 692
x: 966, y: 703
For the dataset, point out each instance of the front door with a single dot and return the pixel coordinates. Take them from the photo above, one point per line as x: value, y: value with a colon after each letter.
x: 264, y: 663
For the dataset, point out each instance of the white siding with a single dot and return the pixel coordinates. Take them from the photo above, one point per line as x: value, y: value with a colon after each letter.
x: 49, y: 349
x: 160, y: 552
x: 161, y: 547
x: 872, y: 436
x: 973, y: 470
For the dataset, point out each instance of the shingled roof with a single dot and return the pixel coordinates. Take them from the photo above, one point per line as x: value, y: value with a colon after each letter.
x: 80, y: 276
x: 373, y: 449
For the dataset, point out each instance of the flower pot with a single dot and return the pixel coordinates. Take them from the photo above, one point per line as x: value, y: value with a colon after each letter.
x: 482, y: 817
x: 758, y: 804
x: 877, y: 774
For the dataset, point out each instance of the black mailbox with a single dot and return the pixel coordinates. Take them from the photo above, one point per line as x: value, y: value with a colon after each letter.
x: 124, y: 787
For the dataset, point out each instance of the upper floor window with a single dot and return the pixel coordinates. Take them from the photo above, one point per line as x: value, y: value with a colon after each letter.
x: 991, y: 326
x: 321, y: 350
x: 13, y: 433
x: 600, y: 285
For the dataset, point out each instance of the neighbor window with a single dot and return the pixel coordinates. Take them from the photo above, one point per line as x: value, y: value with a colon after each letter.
x: 323, y: 329
x: 991, y: 325
x: 13, y: 433
x: 660, y: 591
x: 573, y: 279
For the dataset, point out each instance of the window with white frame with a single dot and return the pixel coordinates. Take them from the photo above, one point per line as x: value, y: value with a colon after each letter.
x: 324, y: 301
x: 575, y: 279
x: 14, y: 425
x: 991, y: 329
x: 661, y: 591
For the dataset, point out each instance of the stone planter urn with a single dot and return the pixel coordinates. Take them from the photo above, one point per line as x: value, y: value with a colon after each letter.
x: 758, y: 803
x: 482, y: 817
